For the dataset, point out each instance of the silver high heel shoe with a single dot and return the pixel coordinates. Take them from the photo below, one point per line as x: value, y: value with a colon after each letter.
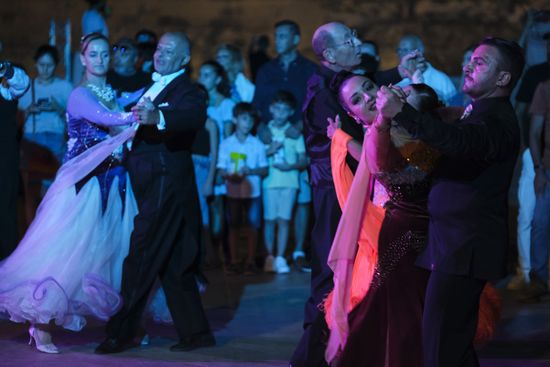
x: 39, y: 337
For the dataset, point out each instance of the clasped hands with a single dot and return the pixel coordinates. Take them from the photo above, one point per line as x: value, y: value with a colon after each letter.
x: 146, y: 113
x: 390, y: 101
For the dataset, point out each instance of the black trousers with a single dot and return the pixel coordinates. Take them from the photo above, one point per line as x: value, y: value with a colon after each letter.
x: 9, y: 185
x: 164, y: 244
x: 450, y: 320
x: 310, y: 351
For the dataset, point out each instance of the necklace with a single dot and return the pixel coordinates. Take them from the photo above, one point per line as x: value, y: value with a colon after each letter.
x: 106, y: 94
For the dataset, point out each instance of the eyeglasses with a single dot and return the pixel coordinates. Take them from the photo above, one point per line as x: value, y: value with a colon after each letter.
x: 350, y: 42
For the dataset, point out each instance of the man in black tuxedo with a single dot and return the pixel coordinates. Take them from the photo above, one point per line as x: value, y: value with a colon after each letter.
x: 468, y: 232
x: 166, y: 237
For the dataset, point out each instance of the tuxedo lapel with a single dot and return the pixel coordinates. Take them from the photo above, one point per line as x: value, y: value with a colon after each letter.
x: 172, y: 85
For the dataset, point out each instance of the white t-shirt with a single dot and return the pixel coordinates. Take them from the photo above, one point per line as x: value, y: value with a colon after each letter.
x: 233, y: 155
x: 221, y: 113
x: 47, y: 121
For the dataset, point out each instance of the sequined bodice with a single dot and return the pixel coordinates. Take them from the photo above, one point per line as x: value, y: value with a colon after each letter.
x: 407, y: 188
x: 83, y: 134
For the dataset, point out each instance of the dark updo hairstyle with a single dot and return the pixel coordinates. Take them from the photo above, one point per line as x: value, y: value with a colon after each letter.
x: 223, y: 87
x: 336, y: 84
x: 47, y: 50
x: 89, y: 38
x: 428, y: 100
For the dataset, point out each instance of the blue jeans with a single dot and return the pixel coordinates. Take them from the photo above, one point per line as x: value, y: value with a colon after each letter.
x: 540, y: 235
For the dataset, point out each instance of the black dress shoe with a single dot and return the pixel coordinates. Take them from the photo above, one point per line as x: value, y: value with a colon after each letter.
x: 193, y: 342
x: 114, y: 345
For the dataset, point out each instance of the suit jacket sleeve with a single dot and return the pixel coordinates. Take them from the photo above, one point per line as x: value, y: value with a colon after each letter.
x: 386, y: 77
x: 484, y: 139
x: 187, y: 111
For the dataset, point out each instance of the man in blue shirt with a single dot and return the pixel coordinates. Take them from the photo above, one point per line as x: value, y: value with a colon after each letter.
x: 289, y: 71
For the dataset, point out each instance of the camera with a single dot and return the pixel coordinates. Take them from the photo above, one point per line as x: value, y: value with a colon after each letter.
x: 5, y: 69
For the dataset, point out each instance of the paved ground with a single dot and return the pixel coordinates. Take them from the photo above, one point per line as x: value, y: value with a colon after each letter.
x: 257, y: 322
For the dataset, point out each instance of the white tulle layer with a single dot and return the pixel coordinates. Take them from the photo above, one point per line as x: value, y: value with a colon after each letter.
x: 69, y: 264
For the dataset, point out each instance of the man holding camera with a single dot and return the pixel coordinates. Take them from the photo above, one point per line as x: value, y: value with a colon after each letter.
x: 13, y: 83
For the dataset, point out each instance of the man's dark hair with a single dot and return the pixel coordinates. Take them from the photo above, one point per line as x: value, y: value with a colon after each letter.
x: 511, y: 57
x: 294, y: 27
x: 47, y: 50
x: 242, y: 108
x: 285, y: 97
x: 223, y: 87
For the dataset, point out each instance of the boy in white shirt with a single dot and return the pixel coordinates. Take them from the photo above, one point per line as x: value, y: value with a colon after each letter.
x: 286, y: 158
x: 242, y: 163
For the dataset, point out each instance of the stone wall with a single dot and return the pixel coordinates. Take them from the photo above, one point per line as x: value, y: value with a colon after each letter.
x: 447, y: 27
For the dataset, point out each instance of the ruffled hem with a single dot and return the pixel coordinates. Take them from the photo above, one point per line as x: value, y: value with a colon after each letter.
x: 69, y: 264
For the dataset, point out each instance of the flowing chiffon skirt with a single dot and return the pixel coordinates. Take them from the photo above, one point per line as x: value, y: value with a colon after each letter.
x: 69, y: 264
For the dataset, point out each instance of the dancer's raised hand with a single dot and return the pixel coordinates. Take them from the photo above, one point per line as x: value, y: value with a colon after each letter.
x: 333, y: 125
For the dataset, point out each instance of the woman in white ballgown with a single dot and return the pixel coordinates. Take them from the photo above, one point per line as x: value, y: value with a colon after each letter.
x: 69, y: 263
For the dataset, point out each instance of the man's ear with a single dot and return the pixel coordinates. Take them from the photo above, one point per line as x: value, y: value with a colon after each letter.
x: 504, y: 78
x: 328, y: 55
x: 296, y: 40
x: 185, y: 60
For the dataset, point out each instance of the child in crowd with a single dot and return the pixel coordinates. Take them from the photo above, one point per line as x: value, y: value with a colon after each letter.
x: 286, y: 158
x: 242, y: 163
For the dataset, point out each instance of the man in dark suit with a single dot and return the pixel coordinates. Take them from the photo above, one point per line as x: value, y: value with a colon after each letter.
x: 468, y: 233
x: 337, y: 48
x: 13, y: 84
x: 166, y: 237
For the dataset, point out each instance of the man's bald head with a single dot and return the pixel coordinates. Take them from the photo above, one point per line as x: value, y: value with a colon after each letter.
x: 336, y: 46
x: 173, y: 52
x: 182, y: 40
x: 323, y: 38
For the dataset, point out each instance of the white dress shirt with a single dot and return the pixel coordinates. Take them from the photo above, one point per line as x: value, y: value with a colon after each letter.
x: 160, y: 82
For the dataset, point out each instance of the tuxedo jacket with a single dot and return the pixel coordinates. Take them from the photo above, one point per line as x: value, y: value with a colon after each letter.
x: 163, y: 157
x: 183, y: 105
x: 468, y: 201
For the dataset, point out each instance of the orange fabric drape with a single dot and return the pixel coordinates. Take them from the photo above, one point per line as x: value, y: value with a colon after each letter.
x: 354, y: 250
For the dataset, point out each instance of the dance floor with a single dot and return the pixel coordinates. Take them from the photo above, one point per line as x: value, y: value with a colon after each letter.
x: 257, y: 322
